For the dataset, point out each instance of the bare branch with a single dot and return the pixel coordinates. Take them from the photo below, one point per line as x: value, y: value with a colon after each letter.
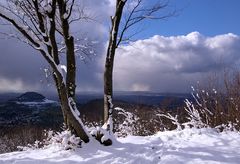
x: 139, y: 13
x: 38, y: 21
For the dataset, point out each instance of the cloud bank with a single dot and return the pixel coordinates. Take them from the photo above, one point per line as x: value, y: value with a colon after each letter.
x: 173, y: 64
x: 22, y: 68
x: 160, y: 64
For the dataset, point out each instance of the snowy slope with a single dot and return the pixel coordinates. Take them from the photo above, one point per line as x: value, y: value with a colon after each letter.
x: 171, y: 147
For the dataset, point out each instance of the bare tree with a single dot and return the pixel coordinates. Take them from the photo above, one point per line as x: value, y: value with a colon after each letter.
x: 125, y: 18
x: 42, y: 23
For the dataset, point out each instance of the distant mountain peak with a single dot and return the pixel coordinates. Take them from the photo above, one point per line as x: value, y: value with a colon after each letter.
x: 31, y: 97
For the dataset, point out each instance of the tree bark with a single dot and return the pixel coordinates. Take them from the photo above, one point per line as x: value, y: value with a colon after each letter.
x: 109, y: 62
x: 69, y: 119
x: 67, y: 91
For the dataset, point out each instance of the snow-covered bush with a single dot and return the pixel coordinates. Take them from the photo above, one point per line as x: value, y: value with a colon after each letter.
x: 209, y: 109
x: 128, y: 126
x: 12, y: 137
x: 125, y: 123
x: 173, y: 119
x: 219, y: 108
x: 194, y: 116
x: 36, y: 145
x: 227, y: 127
x: 63, y: 140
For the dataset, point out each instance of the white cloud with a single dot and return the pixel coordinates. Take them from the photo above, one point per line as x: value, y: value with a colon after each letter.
x: 16, y: 85
x: 140, y: 87
x: 18, y: 61
x: 173, y: 63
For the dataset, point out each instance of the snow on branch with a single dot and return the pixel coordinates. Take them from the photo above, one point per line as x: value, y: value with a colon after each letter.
x: 174, y: 120
x: 108, y: 125
x: 194, y: 116
x: 127, y: 127
x: 76, y: 113
x: 28, y: 33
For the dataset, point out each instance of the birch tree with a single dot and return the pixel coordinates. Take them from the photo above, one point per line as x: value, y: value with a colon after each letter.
x: 124, y: 19
x: 42, y: 24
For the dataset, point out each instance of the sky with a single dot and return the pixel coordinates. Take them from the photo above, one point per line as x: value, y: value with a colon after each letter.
x: 166, y: 56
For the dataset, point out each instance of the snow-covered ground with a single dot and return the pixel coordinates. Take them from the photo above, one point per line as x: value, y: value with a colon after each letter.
x: 186, y: 146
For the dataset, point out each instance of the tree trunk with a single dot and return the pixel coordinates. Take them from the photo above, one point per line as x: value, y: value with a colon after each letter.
x: 108, y: 94
x: 66, y: 91
x: 108, y: 73
x: 69, y: 118
x: 71, y: 121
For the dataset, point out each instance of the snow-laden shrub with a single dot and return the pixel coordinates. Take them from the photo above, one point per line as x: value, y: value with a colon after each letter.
x: 128, y: 126
x: 194, y: 116
x: 227, y: 127
x: 36, y: 145
x: 218, y: 108
x: 124, y: 124
x: 207, y: 110
x: 197, y: 114
x: 12, y: 137
x: 173, y: 119
x: 64, y: 140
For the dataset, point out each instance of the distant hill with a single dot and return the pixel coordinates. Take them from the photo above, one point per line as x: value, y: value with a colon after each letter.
x: 35, y: 109
x: 148, y: 98
x: 30, y: 97
x: 30, y: 108
x: 169, y: 100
